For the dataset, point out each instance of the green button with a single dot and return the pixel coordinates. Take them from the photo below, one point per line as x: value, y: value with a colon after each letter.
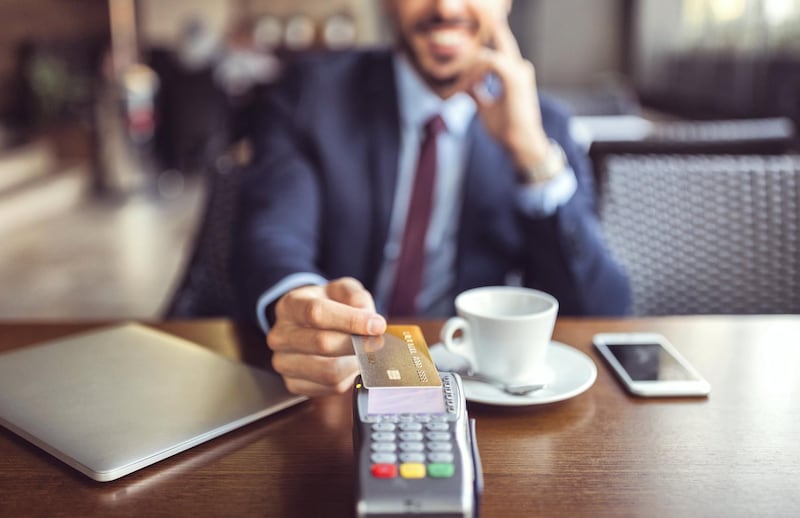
x: 441, y: 470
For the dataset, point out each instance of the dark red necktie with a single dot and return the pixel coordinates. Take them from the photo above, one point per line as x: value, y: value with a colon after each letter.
x: 410, y: 264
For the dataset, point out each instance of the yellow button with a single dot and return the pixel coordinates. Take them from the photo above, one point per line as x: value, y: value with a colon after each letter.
x: 412, y: 470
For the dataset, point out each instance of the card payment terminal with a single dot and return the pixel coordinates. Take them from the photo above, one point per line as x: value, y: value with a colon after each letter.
x: 415, y: 451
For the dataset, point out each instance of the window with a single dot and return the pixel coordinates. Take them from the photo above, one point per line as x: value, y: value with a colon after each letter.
x: 745, y: 25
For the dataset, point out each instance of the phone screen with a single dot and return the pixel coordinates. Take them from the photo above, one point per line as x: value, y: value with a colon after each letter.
x: 649, y: 362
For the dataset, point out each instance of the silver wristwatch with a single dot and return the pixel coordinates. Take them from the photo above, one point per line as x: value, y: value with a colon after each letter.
x: 552, y: 165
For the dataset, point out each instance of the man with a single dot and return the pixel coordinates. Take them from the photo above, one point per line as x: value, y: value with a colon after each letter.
x: 331, y: 218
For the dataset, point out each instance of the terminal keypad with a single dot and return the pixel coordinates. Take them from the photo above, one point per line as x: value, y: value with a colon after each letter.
x: 413, y: 446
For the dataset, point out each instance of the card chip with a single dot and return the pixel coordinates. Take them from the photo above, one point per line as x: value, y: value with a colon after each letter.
x: 398, y: 358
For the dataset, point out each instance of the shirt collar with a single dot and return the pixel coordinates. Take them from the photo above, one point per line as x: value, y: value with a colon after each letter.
x: 417, y: 103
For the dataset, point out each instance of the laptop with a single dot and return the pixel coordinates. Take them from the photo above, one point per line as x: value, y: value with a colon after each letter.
x: 112, y: 401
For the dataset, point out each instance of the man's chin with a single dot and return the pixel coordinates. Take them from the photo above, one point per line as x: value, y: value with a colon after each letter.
x: 442, y: 75
x: 440, y: 83
x: 442, y: 72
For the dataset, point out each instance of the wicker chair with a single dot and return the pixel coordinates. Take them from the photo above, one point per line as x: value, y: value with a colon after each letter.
x: 765, y: 136
x: 205, y: 289
x: 706, y: 234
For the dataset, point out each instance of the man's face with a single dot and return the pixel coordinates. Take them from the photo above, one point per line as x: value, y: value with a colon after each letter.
x: 443, y: 37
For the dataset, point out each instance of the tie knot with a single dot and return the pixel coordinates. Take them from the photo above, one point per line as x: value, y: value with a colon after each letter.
x: 434, y: 126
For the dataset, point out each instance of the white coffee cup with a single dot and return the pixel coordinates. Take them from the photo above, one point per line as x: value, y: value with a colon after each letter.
x: 505, y: 332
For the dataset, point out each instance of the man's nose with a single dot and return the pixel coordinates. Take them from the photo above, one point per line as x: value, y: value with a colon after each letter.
x: 449, y: 8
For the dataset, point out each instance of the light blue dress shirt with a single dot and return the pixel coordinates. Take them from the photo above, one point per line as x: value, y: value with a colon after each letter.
x: 417, y: 103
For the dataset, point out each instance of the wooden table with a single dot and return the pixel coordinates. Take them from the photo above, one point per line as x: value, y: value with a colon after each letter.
x: 736, y: 453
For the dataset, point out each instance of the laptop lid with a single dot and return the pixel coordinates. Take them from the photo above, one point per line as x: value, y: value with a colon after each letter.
x: 112, y: 401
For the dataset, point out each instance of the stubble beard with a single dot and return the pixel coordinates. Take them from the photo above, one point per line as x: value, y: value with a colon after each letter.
x: 443, y: 86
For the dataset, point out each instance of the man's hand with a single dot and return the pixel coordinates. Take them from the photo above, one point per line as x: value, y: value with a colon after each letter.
x: 311, y: 341
x: 514, y: 118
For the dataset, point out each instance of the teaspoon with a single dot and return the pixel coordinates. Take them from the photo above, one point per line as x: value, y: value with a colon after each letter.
x: 514, y: 389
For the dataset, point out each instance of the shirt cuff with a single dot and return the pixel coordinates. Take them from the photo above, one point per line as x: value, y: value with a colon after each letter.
x: 286, y: 284
x: 542, y: 200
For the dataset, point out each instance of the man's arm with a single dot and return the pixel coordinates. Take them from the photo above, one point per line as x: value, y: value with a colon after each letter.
x: 566, y: 253
x: 278, y: 238
x: 278, y: 228
x: 569, y: 257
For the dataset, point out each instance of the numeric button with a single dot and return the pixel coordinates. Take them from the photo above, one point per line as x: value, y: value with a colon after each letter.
x: 411, y: 427
x: 412, y: 457
x: 412, y: 446
x: 383, y: 436
x: 383, y: 447
x: 384, y: 458
x: 440, y: 446
x: 411, y: 436
x: 438, y: 436
x: 440, y: 457
x: 438, y: 427
x: 384, y: 426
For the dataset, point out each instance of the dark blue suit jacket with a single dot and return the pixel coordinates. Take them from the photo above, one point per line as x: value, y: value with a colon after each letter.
x: 320, y: 194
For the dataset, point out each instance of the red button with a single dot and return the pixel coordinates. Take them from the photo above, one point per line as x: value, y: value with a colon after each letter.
x: 384, y: 470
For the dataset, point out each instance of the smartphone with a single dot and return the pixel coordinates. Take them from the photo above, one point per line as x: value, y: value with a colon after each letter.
x: 648, y: 365
x: 415, y: 451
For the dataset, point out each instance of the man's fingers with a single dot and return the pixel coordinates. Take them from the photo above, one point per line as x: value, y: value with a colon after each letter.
x: 316, y: 375
x: 504, y: 40
x: 312, y: 335
x: 308, y: 388
x: 292, y: 338
x: 323, y: 313
x: 473, y: 80
x: 488, y: 62
x: 350, y: 291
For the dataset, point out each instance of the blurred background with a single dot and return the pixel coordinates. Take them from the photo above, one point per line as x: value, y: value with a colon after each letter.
x: 119, y: 117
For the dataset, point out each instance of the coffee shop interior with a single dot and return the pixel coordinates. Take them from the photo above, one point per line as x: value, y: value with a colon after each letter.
x: 124, y: 128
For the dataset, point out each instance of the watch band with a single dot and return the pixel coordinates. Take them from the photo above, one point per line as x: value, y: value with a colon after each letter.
x: 552, y: 165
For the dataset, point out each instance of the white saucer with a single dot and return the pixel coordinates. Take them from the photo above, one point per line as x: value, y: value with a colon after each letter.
x: 574, y: 372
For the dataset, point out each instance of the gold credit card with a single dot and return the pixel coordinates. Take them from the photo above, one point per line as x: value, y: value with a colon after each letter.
x: 398, y: 358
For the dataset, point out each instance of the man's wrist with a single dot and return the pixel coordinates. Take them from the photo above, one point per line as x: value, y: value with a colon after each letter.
x: 550, y: 166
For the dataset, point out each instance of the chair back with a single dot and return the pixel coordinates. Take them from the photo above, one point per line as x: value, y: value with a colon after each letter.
x: 763, y: 136
x: 703, y: 234
x: 205, y: 289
